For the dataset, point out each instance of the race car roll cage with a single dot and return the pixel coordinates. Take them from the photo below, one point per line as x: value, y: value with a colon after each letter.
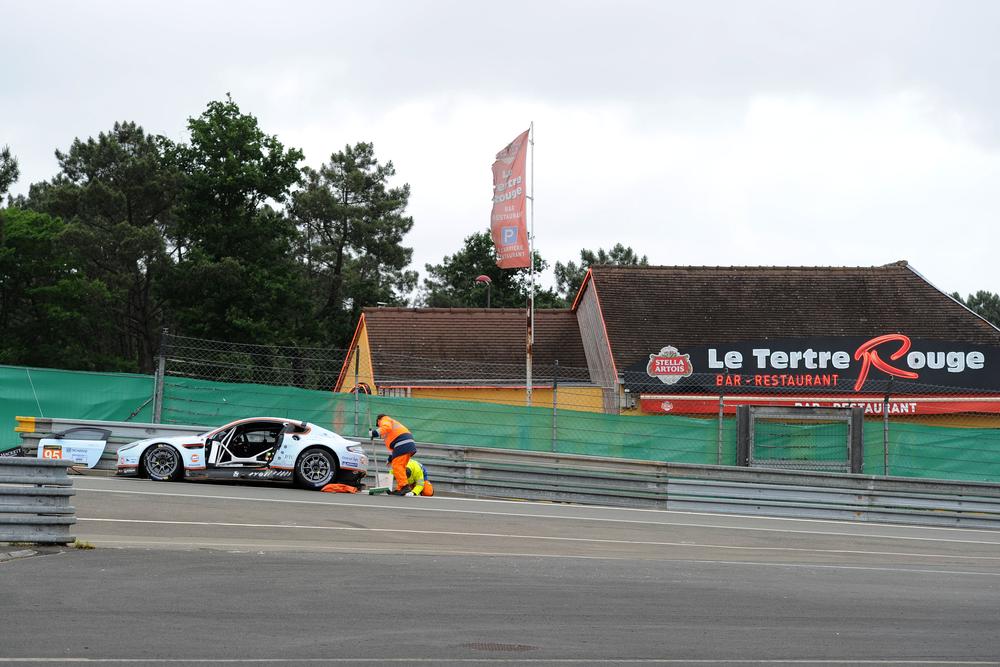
x: 220, y: 450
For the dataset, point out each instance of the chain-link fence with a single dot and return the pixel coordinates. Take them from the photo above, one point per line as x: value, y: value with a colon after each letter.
x: 909, y: 429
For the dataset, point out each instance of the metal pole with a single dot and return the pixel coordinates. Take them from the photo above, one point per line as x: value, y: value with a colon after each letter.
x: 161, y: 369
x: 718, y: 456
x: 357, y: 354
x: 885, y: 429
x: 531, y: 269
x: 555, y: 403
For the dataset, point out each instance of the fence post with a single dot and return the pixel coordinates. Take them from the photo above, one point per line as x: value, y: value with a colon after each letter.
x: 357, y: 397
x: 743, y: 435
x: 885, y: 429
x: 857, y: 445
x: 718, y: 456
x: 555, y: 403
x: 161, y: 369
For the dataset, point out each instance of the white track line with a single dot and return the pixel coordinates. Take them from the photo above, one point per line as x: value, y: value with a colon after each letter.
x: 513, y: 661
x: 547, y: 538
x: 397, y: 508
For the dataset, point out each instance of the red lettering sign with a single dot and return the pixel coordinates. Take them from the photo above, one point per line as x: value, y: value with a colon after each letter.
x: 869, y: 354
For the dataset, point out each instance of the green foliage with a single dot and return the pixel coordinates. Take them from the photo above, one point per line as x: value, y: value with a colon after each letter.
x: 352, y: 226
x: 9, y: 170
x: 117, y: 195
x: 452, y: 283
x: 569, y: 276
x: 233, y: 168
x: 983, y: 303
x: 136, y: 232
x: 236, y: 277
x: 51, y: 314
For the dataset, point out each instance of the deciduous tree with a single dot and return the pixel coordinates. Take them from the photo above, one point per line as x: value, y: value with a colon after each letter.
x: 236, y: 277
x: 452, y: 283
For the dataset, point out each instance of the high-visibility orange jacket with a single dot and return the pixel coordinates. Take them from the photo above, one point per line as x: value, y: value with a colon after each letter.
x: 398, y: 438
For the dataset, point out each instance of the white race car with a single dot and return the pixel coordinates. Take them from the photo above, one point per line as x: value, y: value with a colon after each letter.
x: 261, y: 448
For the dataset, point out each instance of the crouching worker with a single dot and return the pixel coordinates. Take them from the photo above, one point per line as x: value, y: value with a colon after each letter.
x: 401, y: 446
x: 416, y: 478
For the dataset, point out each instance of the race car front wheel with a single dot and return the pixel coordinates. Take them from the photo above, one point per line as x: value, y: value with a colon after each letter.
x: 315, y: 468
x: 162, y: 463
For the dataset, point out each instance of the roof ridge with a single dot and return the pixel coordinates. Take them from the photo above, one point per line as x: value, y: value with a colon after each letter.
x: 900, y: 264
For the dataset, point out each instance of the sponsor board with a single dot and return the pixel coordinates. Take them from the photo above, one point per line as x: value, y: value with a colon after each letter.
x: 669, y: 365
x: 830, y: 365
x: 17, y: 451
x: 873, y: 405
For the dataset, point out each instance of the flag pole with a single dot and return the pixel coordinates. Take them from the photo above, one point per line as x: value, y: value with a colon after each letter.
x: 531, y: 270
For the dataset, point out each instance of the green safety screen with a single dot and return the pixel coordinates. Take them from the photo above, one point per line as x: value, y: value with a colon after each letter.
x: 915, y: 450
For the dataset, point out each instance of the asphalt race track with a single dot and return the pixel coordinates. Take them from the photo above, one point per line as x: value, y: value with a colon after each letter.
x: 193, y: 573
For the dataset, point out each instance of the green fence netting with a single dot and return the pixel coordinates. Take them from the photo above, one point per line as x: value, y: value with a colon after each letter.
x: 45, y: 392
x: 915, y: 450
x: 667, y: 438
x: 797, y: 443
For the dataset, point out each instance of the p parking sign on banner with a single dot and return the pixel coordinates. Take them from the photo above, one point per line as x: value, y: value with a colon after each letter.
x: 508, y: 222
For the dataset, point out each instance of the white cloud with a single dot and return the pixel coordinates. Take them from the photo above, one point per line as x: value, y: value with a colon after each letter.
x: 834, y: 133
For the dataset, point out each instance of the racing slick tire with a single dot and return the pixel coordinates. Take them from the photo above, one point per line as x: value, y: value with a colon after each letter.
x: 162, y: 463
x: 315, y: 468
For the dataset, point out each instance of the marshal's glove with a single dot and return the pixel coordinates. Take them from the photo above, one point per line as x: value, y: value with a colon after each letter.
x: 374, y: 433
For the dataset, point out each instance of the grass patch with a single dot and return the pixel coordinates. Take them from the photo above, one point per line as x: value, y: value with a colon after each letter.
x: 80, y: 544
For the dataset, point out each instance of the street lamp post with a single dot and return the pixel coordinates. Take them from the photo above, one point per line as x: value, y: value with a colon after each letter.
x: 489, y: 286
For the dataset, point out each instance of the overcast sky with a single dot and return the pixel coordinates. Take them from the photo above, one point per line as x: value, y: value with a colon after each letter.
x: 700, y: 133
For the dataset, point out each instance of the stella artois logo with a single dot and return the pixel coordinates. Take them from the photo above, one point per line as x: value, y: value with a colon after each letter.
x: 669, y: 365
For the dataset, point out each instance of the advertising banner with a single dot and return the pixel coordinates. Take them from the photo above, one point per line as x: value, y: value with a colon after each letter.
x: 508, y: 221
x: 822, y: 365
x: 687, y: 404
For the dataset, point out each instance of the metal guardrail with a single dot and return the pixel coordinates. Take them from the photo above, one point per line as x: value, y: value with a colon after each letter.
x: 34, y: 501
x: 716, y: 489
x: 501, y: 473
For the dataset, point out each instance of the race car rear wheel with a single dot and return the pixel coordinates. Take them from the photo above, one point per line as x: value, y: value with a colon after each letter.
x: 315, y: 468
x: 162, y: 463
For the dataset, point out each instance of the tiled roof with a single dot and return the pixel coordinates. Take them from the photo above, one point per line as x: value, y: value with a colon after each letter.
x: 645, y: 307
x: 472, y: 345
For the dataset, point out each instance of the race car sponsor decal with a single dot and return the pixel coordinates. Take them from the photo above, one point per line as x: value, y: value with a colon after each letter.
x: 353, y: 461
x: 268, y: 474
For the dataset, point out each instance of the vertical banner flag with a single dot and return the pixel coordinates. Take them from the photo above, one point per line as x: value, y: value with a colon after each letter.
x: 508, y: 222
